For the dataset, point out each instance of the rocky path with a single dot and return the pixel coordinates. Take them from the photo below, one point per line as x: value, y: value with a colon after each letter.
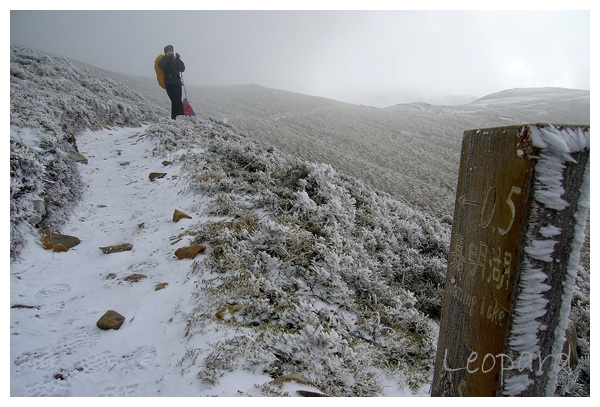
x: 57, y: 297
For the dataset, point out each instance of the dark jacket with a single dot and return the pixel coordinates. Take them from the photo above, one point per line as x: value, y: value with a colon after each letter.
x: 172, y: 66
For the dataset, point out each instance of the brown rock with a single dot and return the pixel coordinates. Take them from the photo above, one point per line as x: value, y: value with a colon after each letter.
x: 165, y: 163
x: 298, y: 378
x: 134, y: 278
x: 17, y: 306
x: 57, y: 242
x: 292, y: 377
x: 160, y: 286
x: 189, y: 252
x: 78, y: 158
x: 306, y: 393
x: 178, y: 215
x: 117, y: 248
x: 154, y: 175
x: 110, y: 320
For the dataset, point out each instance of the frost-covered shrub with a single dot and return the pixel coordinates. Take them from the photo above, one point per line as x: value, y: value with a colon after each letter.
x: 327, y: 277
x: 576, y: 381
x: 44, y: 182
x: 59, y: 97
x: 26, y: 188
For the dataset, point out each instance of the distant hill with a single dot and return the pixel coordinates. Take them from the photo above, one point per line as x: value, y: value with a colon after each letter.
x: 520, y: 95
x: 409, y: 150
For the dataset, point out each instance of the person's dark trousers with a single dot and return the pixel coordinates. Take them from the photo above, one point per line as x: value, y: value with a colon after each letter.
x: 174, y: 92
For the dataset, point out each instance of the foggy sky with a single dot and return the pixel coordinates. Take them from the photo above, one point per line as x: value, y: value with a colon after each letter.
x: 368, y: 57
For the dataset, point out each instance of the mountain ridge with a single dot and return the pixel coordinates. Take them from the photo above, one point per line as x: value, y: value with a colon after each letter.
x: 408, y: 150
x: 324, y: 130
x: 366, y: 269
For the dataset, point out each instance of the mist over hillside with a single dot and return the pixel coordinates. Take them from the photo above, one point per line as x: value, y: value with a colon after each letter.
x: 327, y: 223
x: 408, y: 150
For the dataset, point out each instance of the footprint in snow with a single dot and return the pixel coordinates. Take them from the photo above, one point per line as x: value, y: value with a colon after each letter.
x: 100, y: 362
x: 52, y: 290
x: 142, y: 358
x: 85, y: 337
x: 54, y: 387
x: 120, y: 391
x: 51, y: 309
x: 39, y: 359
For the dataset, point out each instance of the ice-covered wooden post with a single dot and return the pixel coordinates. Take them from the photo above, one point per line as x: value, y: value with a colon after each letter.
x: 521, y: 207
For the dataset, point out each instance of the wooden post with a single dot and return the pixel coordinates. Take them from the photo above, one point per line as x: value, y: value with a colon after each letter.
x: 519, y: 222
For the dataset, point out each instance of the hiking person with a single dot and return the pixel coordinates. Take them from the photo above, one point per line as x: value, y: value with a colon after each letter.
x: 172, y: 65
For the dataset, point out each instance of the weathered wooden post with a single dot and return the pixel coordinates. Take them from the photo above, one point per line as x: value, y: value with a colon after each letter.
x: 519, y: 222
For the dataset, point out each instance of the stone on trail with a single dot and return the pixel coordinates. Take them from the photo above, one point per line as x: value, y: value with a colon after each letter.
x: 154, y: 175
x: 57, y: 242
x: 110, y: 320
x: 117, y: 248
x: 178, y: 215
x: 78, y: 158
x: 189, y: 252
x: 134, y: 278
x: 160, y: 286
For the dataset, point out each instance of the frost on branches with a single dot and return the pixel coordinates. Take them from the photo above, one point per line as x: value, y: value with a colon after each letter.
x: 320, y: 275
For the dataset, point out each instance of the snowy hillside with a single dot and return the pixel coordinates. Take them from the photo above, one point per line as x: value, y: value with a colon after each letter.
x: 410, y: 151
x: 307, y: 269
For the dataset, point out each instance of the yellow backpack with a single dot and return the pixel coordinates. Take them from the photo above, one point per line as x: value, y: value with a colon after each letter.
x: 160, y: 75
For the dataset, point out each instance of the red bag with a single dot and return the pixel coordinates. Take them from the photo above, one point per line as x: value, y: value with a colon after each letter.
x: 187, y: 108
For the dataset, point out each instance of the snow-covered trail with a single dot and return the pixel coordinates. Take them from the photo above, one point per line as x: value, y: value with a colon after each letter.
x: 56, y: 348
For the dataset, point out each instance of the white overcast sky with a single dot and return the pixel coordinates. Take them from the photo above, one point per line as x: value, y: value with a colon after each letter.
x: 340, y: 54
